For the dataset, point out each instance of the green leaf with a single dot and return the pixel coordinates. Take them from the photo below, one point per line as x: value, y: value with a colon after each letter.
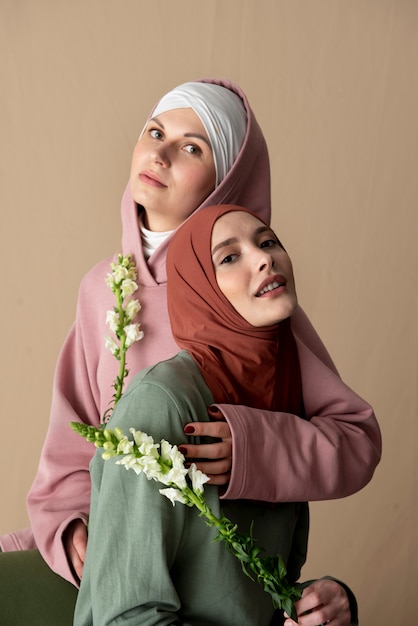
x: 289, y: 608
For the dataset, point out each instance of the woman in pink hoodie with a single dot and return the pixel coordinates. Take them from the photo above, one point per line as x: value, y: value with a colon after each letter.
x: 331, y: 456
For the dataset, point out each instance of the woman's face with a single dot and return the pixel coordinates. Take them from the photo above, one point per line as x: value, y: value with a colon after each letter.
x: 173, y: 169
x: 252, y: 269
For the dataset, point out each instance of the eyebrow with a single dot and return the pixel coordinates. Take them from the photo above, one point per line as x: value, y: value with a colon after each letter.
x: 194, y: 135
x: 227, y: 242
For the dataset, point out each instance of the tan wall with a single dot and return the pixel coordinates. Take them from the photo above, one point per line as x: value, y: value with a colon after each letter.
x: 334, y: 86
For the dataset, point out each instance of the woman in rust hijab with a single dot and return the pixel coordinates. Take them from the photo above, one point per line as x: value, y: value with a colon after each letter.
x: 231, y: 295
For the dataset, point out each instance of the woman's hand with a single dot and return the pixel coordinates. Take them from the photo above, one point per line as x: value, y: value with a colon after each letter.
x: 75, y: 545
x: 213, y: 459
x: 326, y: 603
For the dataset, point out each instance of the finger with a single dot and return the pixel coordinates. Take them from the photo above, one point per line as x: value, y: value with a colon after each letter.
x: 218, y: 430
x: 216, y: 479
x: 324, y: 599
x: 214, y: 468
x: 220, y: 480
x: 80, y: 542
x: 222, y: 450
x: 324, y: 615
x: 78, y: 565
x: 215, y: 413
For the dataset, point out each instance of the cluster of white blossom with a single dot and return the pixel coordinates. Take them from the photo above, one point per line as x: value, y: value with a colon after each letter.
x: 122, y: 281
x: 162, y: 462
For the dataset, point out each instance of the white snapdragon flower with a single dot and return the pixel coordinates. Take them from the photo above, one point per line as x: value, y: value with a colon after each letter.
x: 132, y: 333
x: 145, y: 443
x: 130, y: 461
x: 143, y: 464
x: 165, y: 449
x: 124, y: 446
x: 111, y: 345
x: 128, y: 287
x: 174, y: 495
x: 119, y: 273
x: 171, y: 454
x: 175, y: 476
x: 198, y: 479
x: 151, y: 467
x: 177, y: 458
x: 141, y: 438
x: 110, y: 281
x: 132, y: 275
x: 112, y: 320
x: 132, y: 308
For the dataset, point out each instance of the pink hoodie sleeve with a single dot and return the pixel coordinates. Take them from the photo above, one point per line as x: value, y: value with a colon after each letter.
x: 18, y: 540
x: 60, y: 492
x: 279, y: 457
x: 82, y: 391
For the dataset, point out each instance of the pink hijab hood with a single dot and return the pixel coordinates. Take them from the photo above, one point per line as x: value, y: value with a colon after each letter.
x: 247, y: 184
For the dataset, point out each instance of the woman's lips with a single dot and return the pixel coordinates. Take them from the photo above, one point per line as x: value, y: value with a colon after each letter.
x: 151, y: 179
x: 271, y: 285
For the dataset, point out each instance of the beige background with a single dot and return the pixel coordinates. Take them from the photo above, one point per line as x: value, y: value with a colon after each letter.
x: 334, y: 85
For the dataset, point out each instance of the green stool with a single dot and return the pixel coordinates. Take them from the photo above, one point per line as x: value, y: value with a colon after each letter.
x: 31, y: 594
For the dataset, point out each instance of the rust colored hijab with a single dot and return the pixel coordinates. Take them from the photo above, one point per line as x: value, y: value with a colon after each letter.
x: 241, y: 363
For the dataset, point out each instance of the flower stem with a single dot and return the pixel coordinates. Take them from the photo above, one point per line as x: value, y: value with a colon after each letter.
x: 119, y: 382
x: 270, y: 572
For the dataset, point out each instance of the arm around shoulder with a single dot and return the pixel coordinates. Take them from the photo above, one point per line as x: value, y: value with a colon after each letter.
x: 330, y: 454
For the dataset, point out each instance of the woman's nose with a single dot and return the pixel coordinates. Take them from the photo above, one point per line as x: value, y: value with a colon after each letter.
x: 160, y: 155
x: 266, y: 261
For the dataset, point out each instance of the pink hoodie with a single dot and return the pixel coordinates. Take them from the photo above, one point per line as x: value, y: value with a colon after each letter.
x: 332, y: 455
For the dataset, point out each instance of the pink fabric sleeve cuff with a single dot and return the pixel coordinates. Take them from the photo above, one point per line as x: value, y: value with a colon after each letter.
x: 18, y: 540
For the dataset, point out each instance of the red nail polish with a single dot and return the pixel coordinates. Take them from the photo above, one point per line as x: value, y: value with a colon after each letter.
x: 189, y: 429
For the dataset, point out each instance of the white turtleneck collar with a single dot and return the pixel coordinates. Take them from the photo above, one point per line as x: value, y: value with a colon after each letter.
x: 151, y: 239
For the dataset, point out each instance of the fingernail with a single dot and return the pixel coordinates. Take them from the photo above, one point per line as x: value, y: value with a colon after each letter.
x: 183, y: 450
x: 189, y: 429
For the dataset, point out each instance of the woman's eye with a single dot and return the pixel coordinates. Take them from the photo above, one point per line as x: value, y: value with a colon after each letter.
x: 269, y: 243
x: 229, y: 259
x: 155, y: 133
x: 192, y: 149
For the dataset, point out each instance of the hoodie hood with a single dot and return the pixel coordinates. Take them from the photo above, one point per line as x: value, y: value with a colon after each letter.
x: 247, y: 184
